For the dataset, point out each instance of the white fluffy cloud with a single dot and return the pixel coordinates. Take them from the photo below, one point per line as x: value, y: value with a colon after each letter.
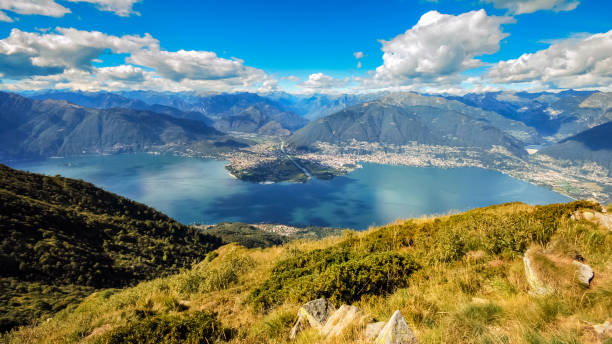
x: 127, y: 73
x: 195, y: 65
x: 440, y: 45
x: 571, y: 63
x: 358, y: 54
x: 28, y: 7
x: 51, y: 8
x: 320, y: 81
x: 291, y: 78
x: 24, y: 54
x: 67, y: 58
x: 530, y: 6
x: 123, y: 8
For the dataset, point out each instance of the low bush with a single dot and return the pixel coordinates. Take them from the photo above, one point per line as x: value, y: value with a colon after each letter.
x: 338, y: 274
x: 201, y: 327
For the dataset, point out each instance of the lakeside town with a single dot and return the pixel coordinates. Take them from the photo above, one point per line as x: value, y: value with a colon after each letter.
x: 579, y: 182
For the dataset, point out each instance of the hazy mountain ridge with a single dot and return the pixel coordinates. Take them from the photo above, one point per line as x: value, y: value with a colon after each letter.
x: 107, y: 100
x: 554, y: 115
x: 34, y: 128
x: 315, y: 106
x: 398, y: 120
x: 518, y: 130
x: 242, y: 112
x: 594, y: 144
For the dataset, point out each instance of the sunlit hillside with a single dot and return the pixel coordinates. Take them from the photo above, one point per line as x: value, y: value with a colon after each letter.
x: 457, y: 278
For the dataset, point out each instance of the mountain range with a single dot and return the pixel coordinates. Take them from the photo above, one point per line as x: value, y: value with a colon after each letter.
x: 554, y: 115
x: 35, y: 128
x: 240, y: 112
x: 402, y: 118
x: 106, y: 100
x: 592, y: 145
x: 315, y: 106
x: 67, y: 123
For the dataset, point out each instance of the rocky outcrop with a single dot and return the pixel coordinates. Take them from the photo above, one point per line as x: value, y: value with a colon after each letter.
x: 330, y: 323
x: 584, y: 273
x: 373, y: 329
x: 396, y: 331
x: 344, y: 317
x: 603, y: 219
x: 547, y: 271
x: 312, y: 314
x: 536, y: 284
x: 604, y: 329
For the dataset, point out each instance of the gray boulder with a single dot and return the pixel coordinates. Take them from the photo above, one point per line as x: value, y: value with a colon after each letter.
x: 312, y: 314
x: 396, y: 331
x: 603, y: 219
x: 604, y: 329
x: 584, y: 273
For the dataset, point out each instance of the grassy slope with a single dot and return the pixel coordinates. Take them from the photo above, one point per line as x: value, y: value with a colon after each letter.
x: 469, y: 287
x: 250, y: 236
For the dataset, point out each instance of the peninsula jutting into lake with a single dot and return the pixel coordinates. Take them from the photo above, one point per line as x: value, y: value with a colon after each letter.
x: 203, y: 192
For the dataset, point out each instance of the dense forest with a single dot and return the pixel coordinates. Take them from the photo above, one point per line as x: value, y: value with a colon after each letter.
x: 63, y: 238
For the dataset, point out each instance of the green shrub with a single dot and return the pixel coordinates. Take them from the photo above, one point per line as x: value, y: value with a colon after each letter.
x: 201, y: 327
x: 334, y: 273
x: 215, y: 278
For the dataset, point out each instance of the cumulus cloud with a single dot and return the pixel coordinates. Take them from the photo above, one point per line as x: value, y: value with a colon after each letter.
x: 320, y: 81
x: 440, y: 46
x: 51, y: 8
x: 127, y: 73
x: 358, y: 55
x: 530, y: 6
x: 30, y: 53
x: 269, y: 85
x: 571, y: 63
x: 291, y: 78
x: 28, y: 7
x: 195, y: 65
x: 123, y: 8
x: 67, y: 58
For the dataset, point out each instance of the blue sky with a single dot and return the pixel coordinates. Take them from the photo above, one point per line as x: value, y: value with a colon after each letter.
x: 307, y: 46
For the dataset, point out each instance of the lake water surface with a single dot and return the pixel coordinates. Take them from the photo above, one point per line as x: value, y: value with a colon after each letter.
x: 198, y: 190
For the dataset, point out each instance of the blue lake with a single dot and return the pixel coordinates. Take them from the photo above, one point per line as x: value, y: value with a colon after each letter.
x: 195, y: 190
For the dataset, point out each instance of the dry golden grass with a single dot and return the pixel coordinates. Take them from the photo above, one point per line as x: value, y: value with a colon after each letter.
x: 478, y: 298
